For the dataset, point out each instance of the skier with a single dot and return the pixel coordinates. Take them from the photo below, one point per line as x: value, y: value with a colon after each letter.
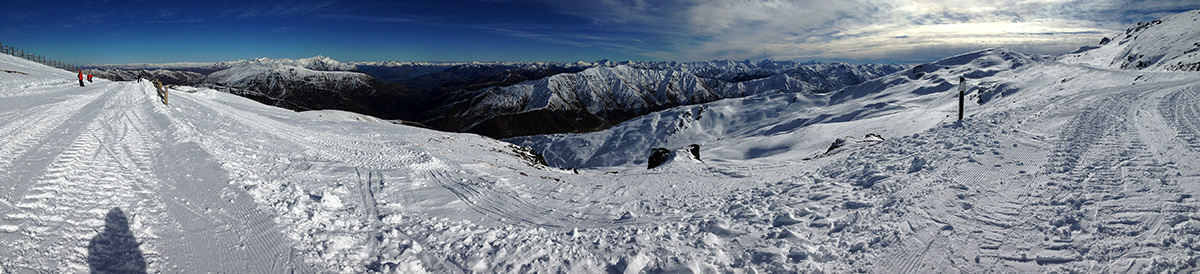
x: 89, y: 78
x: 81, y: 78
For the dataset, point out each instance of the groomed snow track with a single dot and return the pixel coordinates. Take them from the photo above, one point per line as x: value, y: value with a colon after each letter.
x: 1072, y: 169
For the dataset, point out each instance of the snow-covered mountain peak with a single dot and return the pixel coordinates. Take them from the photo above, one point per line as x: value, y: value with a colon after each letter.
x: 1168, y: 44
x: 992, y: 58
x: 318, y: 62
x: 1067, y: 168
x: 616, y: 92
x: 324, y: 63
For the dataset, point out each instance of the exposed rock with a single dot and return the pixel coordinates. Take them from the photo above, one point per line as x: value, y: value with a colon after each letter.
x: 695, y: 150
x: 658, y: 156
x: 836, y: 144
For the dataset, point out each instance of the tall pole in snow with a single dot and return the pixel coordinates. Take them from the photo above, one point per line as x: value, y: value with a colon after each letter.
x: 962, y: 90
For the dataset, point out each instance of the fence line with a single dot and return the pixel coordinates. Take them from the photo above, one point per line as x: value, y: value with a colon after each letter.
x: 36, y: 58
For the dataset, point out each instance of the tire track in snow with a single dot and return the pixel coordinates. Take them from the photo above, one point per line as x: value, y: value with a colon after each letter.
x: 30, y: 144
x: 345, y: 151
x: 65, y: 208
x: 368, y: 185
x: 506, y: 206
x: 1082, y: 132
x: 234, y: 235
x: 1100, y: 175
x: 1100, y: 193
x: 1051, y: 198
x: 1180, y: 109
x: 240, y: 140
x: 502, y: 206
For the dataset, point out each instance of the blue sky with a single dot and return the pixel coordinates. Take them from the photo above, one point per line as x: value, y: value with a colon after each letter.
x: 899, y: 31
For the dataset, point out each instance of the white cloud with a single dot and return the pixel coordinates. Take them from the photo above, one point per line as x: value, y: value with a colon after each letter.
x: 900, y: 30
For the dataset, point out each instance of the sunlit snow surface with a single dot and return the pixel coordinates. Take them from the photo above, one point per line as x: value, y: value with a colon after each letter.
x: 1063, y: 167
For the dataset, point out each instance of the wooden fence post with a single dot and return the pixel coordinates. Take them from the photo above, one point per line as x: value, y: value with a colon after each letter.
x: 962, y: 90
x: 162, y: 91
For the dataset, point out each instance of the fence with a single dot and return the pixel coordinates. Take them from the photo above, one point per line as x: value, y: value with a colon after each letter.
x: 36, y: 58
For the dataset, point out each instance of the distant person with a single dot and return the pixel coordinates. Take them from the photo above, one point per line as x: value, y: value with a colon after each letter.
x: 81, y: 78
x: 89, y: 78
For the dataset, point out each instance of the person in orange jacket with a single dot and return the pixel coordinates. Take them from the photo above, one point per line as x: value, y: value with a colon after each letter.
x: 81, y: 78
x: 89, y: 78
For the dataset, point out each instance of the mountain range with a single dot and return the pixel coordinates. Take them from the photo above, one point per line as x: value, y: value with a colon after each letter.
x: 1084, y: 162
x: 500, y: 99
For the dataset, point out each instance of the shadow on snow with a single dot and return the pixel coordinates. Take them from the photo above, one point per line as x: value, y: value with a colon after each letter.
x: 115, y: 250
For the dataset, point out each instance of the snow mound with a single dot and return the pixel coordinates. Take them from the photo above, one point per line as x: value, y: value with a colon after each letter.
x: 1168, y: 44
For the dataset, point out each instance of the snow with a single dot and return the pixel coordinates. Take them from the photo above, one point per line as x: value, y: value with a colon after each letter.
x: 1063, y: 167
x: 616, y: 91
x: 778, y: 121
x: 275, y: 76
x: 318, y: 62
x: 1169, y: 44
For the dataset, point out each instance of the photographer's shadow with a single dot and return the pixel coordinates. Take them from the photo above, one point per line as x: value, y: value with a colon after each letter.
x: 115, y: 250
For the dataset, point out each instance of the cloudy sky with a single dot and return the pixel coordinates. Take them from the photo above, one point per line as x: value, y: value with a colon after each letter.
x: 895, y: 31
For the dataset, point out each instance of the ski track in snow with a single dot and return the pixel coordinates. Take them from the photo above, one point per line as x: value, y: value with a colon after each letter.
x: 102, y: 150
x: 1099, y: 196
x: 997, y: 193
x: 1070, y: 168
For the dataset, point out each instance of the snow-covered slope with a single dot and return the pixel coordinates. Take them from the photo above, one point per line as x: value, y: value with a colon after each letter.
x: 1073, y: 169
x: 600, y: 96
x: 786, y: 121
x: 18, y: 79
x: 1171, y: 44
x: 300, y: 88
x: 276, y: 80
x: 1064, y: 168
